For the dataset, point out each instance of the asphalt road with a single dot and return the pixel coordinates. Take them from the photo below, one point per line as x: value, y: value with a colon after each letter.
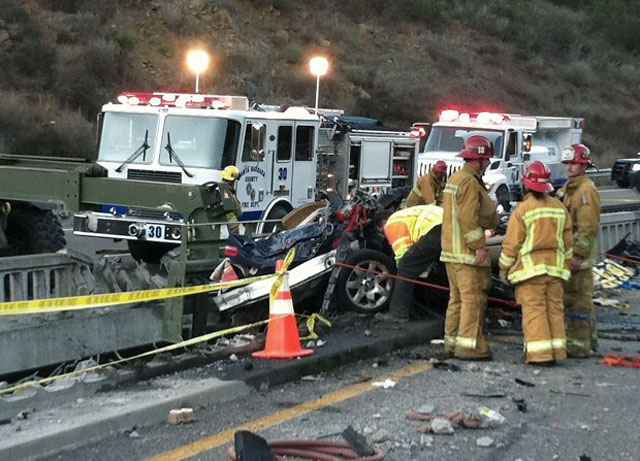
x: 578, y: 408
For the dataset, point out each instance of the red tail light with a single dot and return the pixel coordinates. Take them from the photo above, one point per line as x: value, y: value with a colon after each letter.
x: 230, y: 251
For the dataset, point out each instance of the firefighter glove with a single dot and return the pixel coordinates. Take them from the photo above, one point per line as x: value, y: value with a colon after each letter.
x: 504, y: 279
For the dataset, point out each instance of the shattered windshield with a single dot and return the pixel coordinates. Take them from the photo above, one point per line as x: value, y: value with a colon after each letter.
x: 123, y: 133
x: 451, y: 139
x: 200, y: 142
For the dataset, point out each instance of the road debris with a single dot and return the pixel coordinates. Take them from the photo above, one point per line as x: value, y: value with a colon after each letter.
x: 520, y: 404
x: 617, y: 360
x: 386, y: 384
x: 522, y: 382
x: 361, y: 379
x: 438, y: 426
x: 445, y: 366
x: 180, y: 416
x: 484, y: 442
x: 492, y: 417
x: 456, y: 419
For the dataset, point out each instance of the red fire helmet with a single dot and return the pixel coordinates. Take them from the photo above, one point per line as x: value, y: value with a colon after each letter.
x: 577, y: 153
x: 536, y: 176
x: 439, y: 167
x: 477, y: 147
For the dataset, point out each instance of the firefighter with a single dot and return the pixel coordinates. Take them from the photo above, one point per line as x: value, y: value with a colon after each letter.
x: 534, y: 258
x: 414, y: 234
x: 582, y: 200
x: 230, y: 175
x: 429, y: 187
x: 468, y: 212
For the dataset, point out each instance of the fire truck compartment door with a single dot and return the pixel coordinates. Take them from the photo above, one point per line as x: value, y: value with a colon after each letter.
x: 375, y: 162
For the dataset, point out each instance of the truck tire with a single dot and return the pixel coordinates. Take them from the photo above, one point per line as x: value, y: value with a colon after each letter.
x: 31, y: 230
x: 148, y: 252
x: 278, y: 212
x: 622, y: 184
x: 365, y: 292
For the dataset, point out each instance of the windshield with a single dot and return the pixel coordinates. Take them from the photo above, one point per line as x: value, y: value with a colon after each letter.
x: 123, y: 133
x: 201, y: 142
x: 451, y: 139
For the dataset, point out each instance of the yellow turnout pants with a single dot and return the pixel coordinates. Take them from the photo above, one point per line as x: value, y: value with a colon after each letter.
x: 542, y: 318
x: 582, y: 335
x: 463, y: 333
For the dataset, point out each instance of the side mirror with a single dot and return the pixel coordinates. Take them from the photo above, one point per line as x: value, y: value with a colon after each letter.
x: 527, y: 141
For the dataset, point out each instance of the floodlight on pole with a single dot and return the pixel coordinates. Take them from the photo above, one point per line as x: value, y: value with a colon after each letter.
x: 318, y: 67
x: 197, y: 61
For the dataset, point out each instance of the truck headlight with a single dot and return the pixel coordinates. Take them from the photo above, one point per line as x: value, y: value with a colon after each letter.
x: 635, y: 167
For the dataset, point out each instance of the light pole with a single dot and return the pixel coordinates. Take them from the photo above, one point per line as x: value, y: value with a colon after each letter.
x: 318, y: 67
x: 197, y: 61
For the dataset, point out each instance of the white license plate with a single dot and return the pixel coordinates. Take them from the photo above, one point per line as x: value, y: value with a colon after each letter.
x: 155, y: 232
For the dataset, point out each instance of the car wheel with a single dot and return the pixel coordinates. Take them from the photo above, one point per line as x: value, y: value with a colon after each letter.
x: 366, y: 292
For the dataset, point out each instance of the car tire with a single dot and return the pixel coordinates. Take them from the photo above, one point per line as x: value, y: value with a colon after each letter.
x: 364, y: 292
x: 622, y: 184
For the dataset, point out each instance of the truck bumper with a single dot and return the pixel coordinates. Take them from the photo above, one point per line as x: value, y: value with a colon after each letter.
x: 95, y: 224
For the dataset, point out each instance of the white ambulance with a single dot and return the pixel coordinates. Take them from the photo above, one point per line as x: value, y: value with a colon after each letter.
x: 516, y: 139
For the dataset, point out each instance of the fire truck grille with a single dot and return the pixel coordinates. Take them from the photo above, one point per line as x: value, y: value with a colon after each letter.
x: 153, y: 214
x: 157, y: 176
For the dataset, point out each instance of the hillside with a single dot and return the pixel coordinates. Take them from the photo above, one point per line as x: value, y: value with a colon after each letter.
x: 399, y: 61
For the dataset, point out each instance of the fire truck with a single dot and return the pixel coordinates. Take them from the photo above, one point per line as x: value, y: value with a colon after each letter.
x: 287, y: 156
x: 516, y: 139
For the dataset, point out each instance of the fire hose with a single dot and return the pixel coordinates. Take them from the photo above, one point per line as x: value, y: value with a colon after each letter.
x: 317, y: 450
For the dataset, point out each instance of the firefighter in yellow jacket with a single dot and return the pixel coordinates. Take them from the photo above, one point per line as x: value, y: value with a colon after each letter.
x: 230, y: 175
x: 429, y: 187
x: 468, y: 212
x: 582, y: 200
x: 534, y: 258
x: 414, y: 234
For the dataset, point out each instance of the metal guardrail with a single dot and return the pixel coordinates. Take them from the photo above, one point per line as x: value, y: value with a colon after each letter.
x: 41, y: 276
x: 614, y: 226
x: 601, y: 173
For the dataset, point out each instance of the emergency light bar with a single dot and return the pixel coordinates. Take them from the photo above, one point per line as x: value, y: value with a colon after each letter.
x: 488, y: 119
x: 184, y: 100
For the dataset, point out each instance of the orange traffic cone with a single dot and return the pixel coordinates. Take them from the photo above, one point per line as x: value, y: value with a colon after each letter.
x: 283, y: 341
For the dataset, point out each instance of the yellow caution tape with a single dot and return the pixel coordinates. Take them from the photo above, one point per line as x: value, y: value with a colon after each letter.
x: 311, y: 323
x: 37, y: 306
x: 171, y: 347
x: 280, y: 275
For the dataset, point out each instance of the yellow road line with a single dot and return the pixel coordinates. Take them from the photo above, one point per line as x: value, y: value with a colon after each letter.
x: 215, y: 440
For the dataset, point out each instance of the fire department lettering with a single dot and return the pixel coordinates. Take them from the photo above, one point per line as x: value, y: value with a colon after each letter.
x: 253, y: 169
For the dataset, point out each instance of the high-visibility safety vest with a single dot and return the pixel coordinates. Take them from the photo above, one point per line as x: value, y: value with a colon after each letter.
x: 582, y: 200
x: 538, y: 240
x: 406, y: 226
x: 427, y: 190
x: 468, y: 211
